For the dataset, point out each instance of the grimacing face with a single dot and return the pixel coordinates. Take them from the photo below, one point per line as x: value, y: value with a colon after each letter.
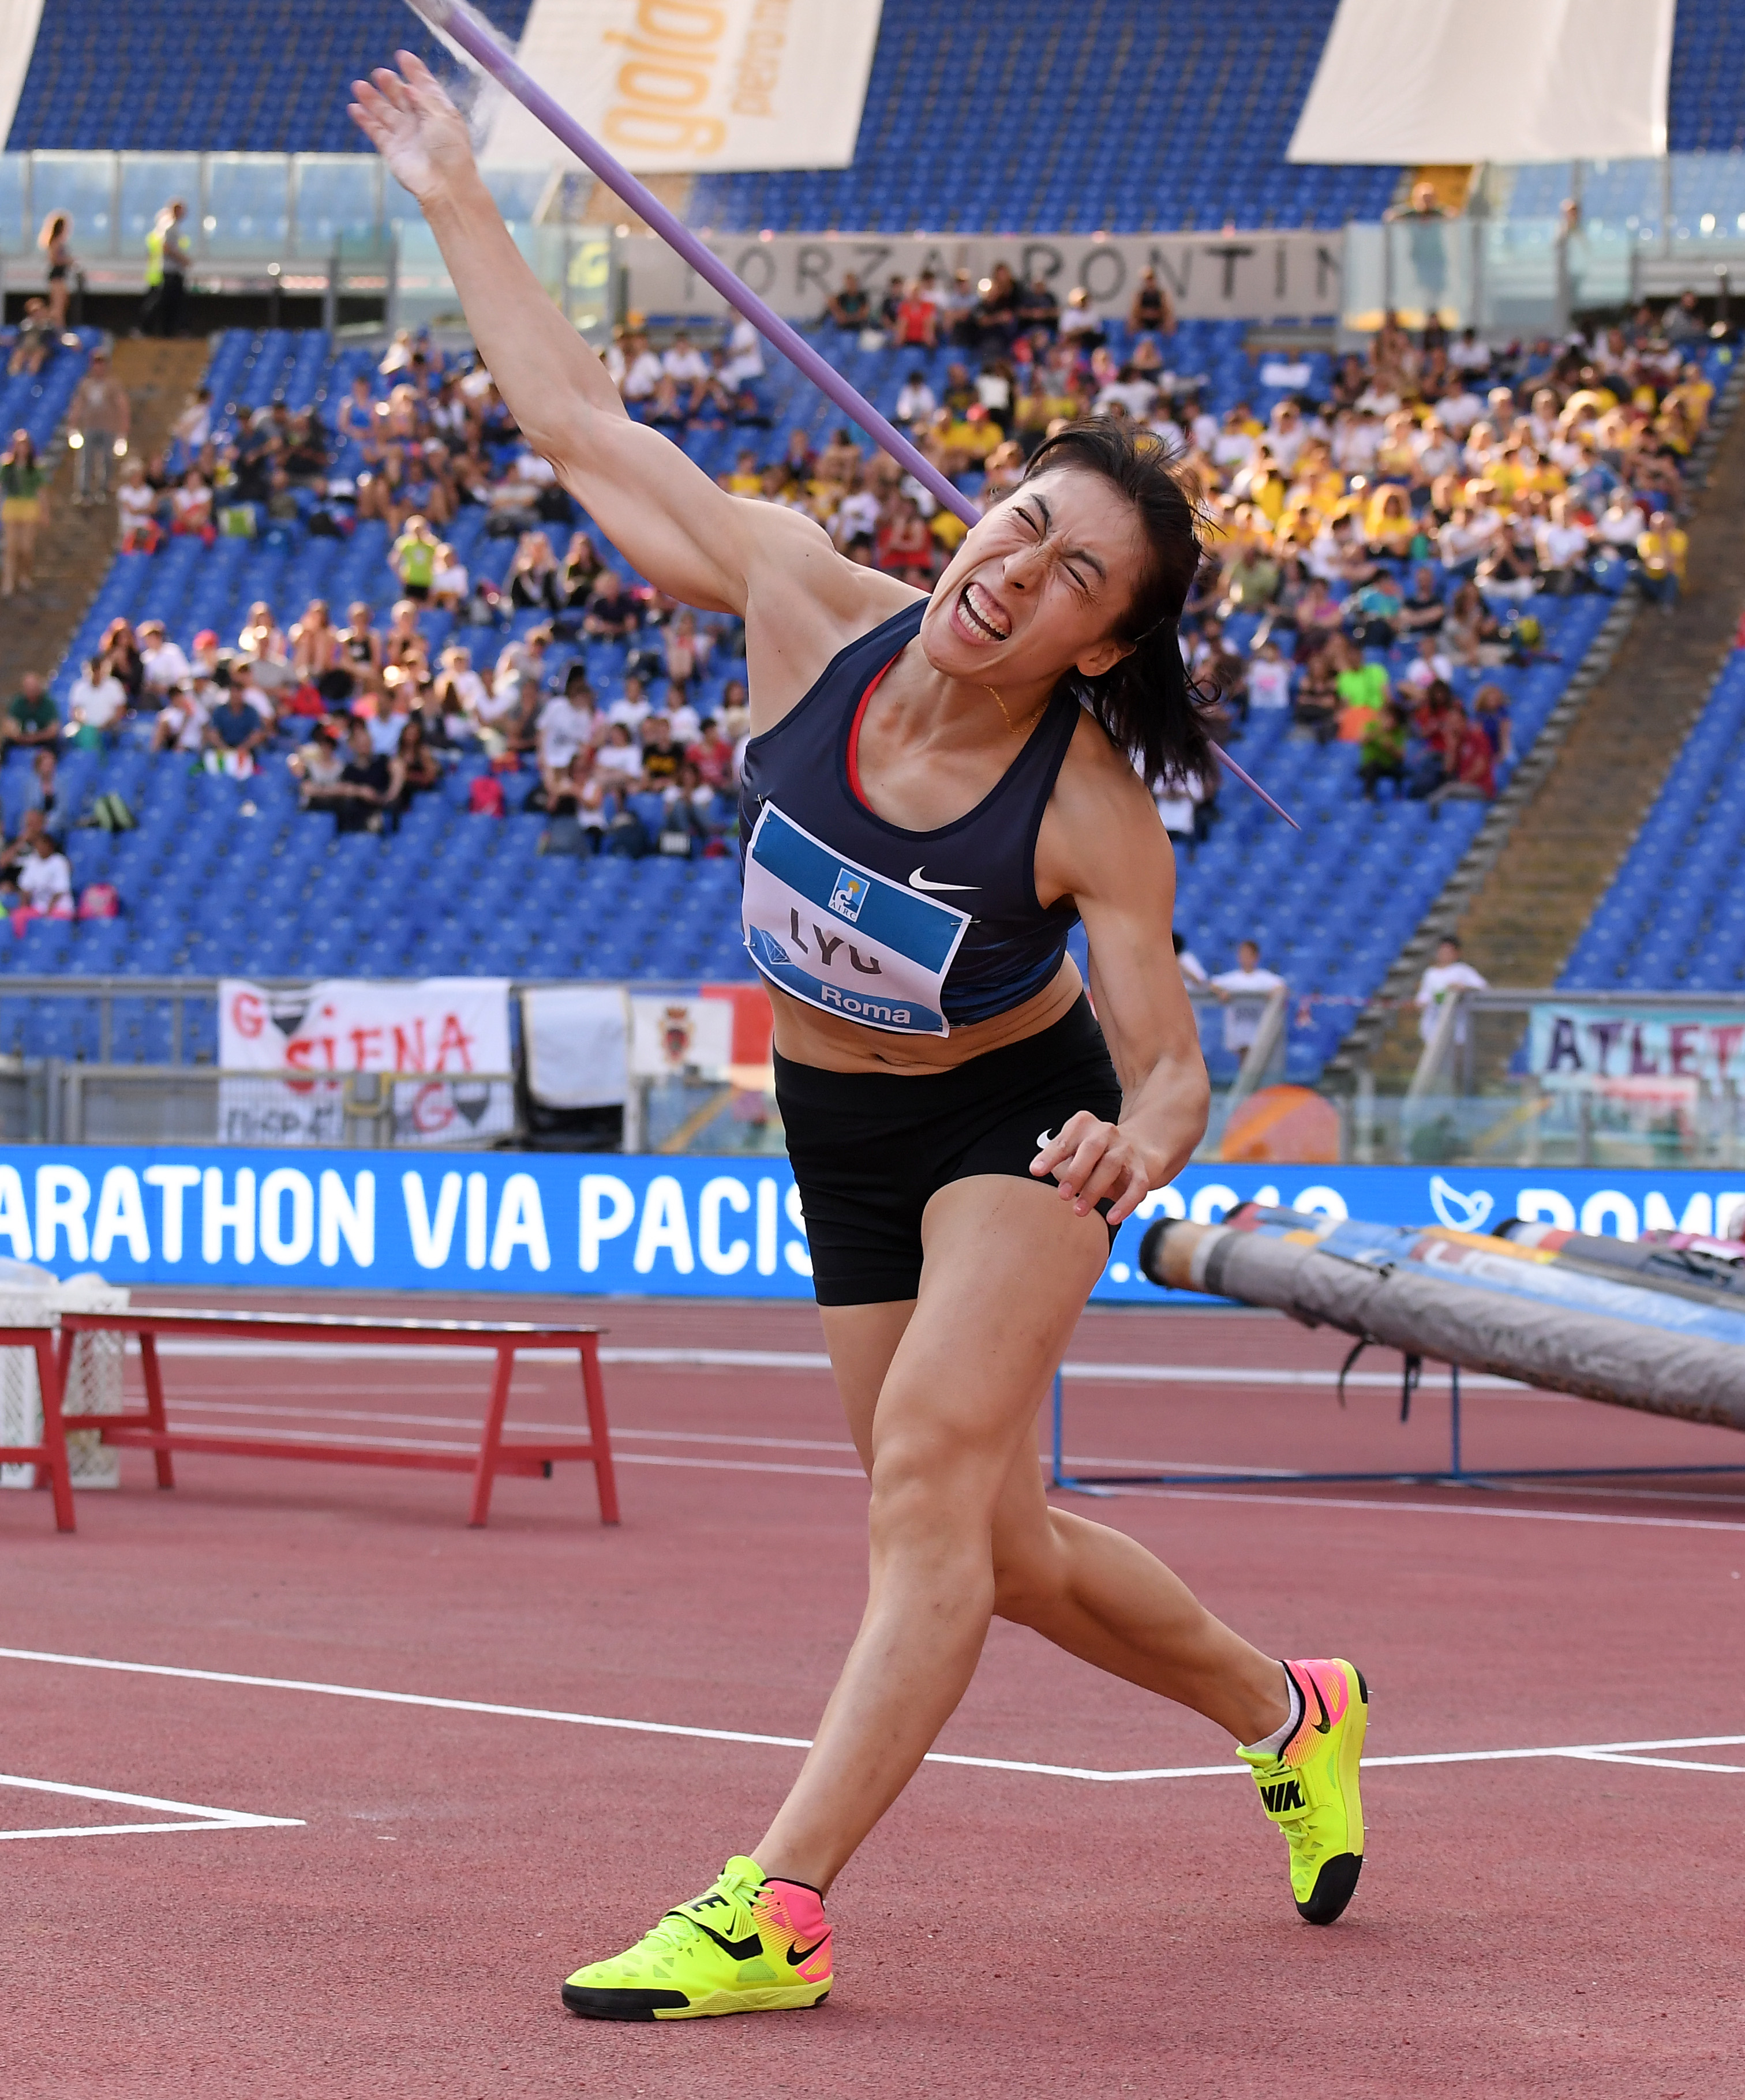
x: 1038, y: 584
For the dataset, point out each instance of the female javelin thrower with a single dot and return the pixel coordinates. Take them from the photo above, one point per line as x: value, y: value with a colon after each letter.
x: 936, y: 788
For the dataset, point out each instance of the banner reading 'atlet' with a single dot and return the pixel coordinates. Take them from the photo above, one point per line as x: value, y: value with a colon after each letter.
x: 696, y: 86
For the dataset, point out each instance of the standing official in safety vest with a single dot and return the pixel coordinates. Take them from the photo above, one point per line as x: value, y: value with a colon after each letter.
x: 166, y: 269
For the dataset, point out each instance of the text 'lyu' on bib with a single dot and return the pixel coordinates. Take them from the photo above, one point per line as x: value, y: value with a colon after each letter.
x: 842, y: 937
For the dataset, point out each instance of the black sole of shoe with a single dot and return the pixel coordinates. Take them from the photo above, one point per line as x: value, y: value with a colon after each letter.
x: 640, y: 2005
x: 622, y: 2005
x: 1334, y: 1887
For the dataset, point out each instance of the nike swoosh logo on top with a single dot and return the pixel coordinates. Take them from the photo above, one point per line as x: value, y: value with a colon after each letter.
x: 742, y: 1950
x: 797, y: 1954
x: 917, y: 881
x: 1323, y: 1726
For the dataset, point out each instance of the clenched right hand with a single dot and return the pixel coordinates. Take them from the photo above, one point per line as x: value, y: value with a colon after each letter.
x: 414, y: 125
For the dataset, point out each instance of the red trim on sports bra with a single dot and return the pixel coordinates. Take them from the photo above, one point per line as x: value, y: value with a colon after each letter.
x: 854, y: 736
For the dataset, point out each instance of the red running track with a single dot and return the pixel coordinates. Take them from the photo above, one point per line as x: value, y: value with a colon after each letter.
x: 1551, y: 1925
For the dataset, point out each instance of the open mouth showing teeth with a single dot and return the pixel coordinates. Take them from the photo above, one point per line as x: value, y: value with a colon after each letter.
x: 981, y: 611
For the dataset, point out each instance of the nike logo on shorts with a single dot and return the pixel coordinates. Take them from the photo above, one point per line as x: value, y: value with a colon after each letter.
x: 917, y: 881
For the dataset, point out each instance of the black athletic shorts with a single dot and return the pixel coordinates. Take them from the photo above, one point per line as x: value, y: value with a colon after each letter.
x: 869, y: 1148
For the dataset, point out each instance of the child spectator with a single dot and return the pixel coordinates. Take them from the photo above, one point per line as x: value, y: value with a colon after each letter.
x: 45, y: 879
x: 136, y: 511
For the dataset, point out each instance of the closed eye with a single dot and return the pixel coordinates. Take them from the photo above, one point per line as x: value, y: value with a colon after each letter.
x: 1038, y: 519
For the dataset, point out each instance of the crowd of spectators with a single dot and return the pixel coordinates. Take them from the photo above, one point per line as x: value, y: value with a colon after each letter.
x: 1369, y: 540
x: 1398, y: 530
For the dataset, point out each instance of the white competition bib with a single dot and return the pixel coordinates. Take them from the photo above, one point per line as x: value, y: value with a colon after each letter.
x: 843, y: 938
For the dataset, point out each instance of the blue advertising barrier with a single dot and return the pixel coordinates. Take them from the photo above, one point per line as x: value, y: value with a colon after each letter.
x: 648, y: 1225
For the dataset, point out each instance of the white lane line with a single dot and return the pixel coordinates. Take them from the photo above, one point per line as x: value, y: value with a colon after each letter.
x: 1424, y: 1509
x: 807, y: 1360
x: 1662, y: 1764
x: 1230, y: 1770
x: 209, y: 1818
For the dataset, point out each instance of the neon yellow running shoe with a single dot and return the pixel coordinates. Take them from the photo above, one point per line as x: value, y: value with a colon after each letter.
x: 1309, y: 1788
x: 747, y: 1945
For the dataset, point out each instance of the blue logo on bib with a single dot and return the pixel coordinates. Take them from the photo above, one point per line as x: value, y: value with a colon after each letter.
x: 848, y: 895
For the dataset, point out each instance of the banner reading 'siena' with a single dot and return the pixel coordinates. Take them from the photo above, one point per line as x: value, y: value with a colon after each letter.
x: 445, y: 1038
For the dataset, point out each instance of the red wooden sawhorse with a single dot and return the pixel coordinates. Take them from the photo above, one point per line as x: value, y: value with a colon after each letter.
x: 50, y: 1454
x: 148, y: 1429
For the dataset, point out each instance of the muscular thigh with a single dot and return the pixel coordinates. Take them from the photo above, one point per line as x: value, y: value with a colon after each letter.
x: 1006, y: 1269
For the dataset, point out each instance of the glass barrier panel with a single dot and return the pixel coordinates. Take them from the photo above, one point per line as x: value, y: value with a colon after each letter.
x: 517, y: 192
x: 1622, y: 196
x: 1365, y: 282
x: 399, y: 207
x: 336, y: 200
x: 1599, y: 264
x: 1520, y: 272
x: 16, y: 237
x: 589, y: 298
x: 1430, y: 270
x: 82, y: 185
x: 248, y: 205
x: 149, y: 181
x: 1708, y: 196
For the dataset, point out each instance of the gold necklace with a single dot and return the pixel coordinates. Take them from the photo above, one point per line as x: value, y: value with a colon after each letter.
x: 1012, y: 728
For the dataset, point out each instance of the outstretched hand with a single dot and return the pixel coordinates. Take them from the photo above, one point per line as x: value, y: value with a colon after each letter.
x: 414, y: 125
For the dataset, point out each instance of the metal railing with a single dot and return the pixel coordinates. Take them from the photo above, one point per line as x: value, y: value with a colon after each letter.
x: 335, y: 225
x: 1572, y: 1078
x: 55, y: 1100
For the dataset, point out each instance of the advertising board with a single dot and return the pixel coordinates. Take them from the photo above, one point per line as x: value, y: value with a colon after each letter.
x: 646, y: 1224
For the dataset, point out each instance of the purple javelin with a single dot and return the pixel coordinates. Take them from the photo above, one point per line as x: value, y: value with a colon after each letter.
x: 462, y: 24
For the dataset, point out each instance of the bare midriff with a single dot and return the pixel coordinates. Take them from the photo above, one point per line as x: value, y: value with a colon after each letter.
x: 806, y: 1036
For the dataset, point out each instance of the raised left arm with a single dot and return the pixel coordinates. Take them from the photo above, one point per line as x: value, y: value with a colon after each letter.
x: 1103, y: 842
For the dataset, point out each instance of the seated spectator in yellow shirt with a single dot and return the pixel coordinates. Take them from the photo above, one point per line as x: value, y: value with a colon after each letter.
x: 1662, y: 551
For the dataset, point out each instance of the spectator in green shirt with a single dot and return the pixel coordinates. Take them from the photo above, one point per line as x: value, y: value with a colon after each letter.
x: 413, y: 559
x: 1381, y: 756
x: 33, y: 719
x: 1361, y: 684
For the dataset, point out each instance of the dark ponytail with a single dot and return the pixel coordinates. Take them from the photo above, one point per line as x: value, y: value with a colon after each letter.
x: 1146, y: 703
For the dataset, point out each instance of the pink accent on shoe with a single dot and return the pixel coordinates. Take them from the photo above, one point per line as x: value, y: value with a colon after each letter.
x: 796, y: 1913
x: 1326, y: 1695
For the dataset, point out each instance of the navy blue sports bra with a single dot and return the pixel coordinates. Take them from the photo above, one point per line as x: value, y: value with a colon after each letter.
x: 905, y: 931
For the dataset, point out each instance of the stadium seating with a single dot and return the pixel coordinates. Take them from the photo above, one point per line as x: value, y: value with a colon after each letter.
x: 1705, y: 111
x: 171, y: 76
x: 1674, y: 917
x: 1162, y: 113
x: 37, y: 403
x: 227, y: 877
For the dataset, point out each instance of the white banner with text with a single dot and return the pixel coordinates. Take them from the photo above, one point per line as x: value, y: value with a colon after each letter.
x: 441, y: 1047
x: 695, y: 86
x: 1230, y: 276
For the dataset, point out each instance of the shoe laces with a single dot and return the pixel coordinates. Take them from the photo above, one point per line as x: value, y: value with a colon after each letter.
x: 676, y: 1931
x: 671, y: 1935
